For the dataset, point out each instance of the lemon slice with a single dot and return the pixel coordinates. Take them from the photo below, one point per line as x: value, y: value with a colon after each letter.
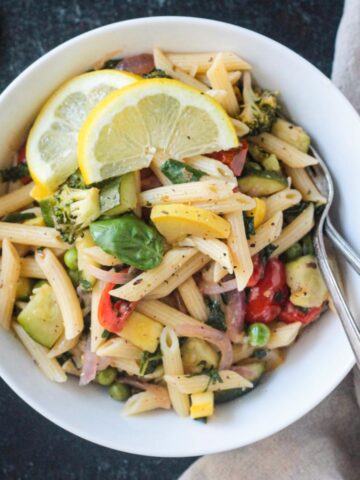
x: 125, y: 130
x: 51, y: 150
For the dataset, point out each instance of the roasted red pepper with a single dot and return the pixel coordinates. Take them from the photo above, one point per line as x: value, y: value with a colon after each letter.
x: 112, y: 316
x: 258, y: 272
x: 234, y: 158
x: 291, y: 313
x: 265, y: 300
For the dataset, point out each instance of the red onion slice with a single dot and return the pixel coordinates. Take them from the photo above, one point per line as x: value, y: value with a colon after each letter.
x: 235, y: 315
x: 215, y: 288
x: 109, y: 276
x: 139, y: 64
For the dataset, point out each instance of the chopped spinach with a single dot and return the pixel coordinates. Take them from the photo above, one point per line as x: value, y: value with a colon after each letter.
x: 249, y: 225
x: 11, y: 174
x: 291, y: 213
x: 150, y: 361
x: 112, y: 63
x: 266, y: 252
x: 105, y: 334
x: 180, y: 172
x: 156, y: 73
x: 212, y: 373
x: 19, y: 217
x: 216, y: 317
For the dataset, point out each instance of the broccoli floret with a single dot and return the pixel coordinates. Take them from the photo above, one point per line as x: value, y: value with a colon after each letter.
x: 260, y: 107
x: 76, y: 180
x: 73, y: 210
x: 14, y: 173
x: 156, y: 73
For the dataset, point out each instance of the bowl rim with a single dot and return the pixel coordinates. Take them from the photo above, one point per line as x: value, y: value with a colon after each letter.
x: 229, y: 444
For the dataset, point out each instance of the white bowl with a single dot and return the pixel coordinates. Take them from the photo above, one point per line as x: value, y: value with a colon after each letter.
x: 317, y: 362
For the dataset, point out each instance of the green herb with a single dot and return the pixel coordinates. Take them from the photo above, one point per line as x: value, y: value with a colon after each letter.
x: 76, y: 181
x: 307, y: 245
x: 85, y: 285
x: 18, y: 217
x: 105, y: 334
x: 266, y: 252
x: 149, y: 362
x: 260, y: 354
x: 291, y: 213
x: 201, y: 419
x: 111, y: 63
x: 249, y: 225
x: 216, y: 315
x: 11, y: 174
x: 179, y: 172
x: 156, y: 73
x: 293, y: 252
x: 129, y: 239
x: 212, y: 373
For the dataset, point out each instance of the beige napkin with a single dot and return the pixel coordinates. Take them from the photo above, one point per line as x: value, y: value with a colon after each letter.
x: 325, y: 444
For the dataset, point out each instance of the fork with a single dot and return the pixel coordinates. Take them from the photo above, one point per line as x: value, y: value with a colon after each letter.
x: 322, y: 178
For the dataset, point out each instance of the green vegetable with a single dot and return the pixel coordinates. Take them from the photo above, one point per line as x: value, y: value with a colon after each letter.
x: 23, y: 288
x: 197, y: 354
x: 216, y: 315
x: 129, y: 239
x: 111, y: 63
x: 41, y: 318
x: 260, y: 107
x: 70, y: 210
x: 212, y: 373
x: 156, y: 73
x: 18, y: 217
x: 71, y: 258
x: 76, y: 181
x: 266, y: 252
x: 257, y: 153
x: 291, y: 213
x: 82, y: 243
x: 293, y: 252
x: 308, y: 245
x: 105, y: 334
x: 271, y: 163
x: 150, y: 361
x: 180, y: 172
x: 119, y: 195
x: 119, y: 391
x: 292, y: 134
x: 106, y: 377
x: 74, y: 276
x: 11, y: 174
x: 39, y: 284
x: 251, y: 167
x: 252, y: 371
x: 262, y: 183
x: 259, y: 334
x: 249, y: 225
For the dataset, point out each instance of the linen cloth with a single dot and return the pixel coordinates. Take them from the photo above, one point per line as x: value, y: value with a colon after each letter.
x: 325, y: 444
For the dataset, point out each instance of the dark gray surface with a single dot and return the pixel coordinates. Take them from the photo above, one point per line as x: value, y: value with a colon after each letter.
x: 30, y: 446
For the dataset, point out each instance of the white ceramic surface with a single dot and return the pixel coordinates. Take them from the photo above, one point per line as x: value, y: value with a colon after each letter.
x: 318, y: 361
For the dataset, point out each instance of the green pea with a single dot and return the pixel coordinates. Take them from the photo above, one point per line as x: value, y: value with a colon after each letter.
x: 75, y: 277
x: 293, y: 252
x: 106, y: 377
x: 71, y: 258
x: 39, y: 284
x: 307, y: 245
x: 119, y: 391
x: 23, y: 288
x: 259, y: 335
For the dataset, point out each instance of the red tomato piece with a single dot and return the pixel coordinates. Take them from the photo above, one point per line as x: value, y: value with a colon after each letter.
x: 291, y: 313
x: 112, y: 316
x: 234, y: 158
x: 258, y: 271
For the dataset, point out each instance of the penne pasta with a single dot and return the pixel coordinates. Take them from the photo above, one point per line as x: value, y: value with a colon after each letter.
x: 280, y: 201
x: 303, y: 182
x: 10, y: 273
x: 102, y: 258
x: 132, y: 367
x: 214, y: 273
x: 290, y: 155
x: 70, y: 368
x: 191, y: 266
x: 266, y: 233
x: 96, y: 330
x: 240, y: 127
x: 201, y: 383
x: 63, y: 345
x: 49, y: 366
x: 212, y: 167
x: 240, y: 253
x: 149, y: 280
x: 172, y: 362
x: 218, y: 95
x: 214, y: 248
x: 193, y: 300
x: 16, y: 200
x: 234, y: 77
x: 119, y: 348
x: 147, y: 401
x: 238, y: 201
x: 30, y: 268
x: 295, y: 231
x: 283, y: 335
x: 203, y: 61
x: 30, y: 235
x: 241, y: 351
x: 156, y: 168
x: 219, y: 80
x: 64, y: 292
x: 210, y: 190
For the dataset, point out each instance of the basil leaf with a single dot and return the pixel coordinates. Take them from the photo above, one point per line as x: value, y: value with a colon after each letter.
x: 18, y: 217
x: 179, y: 172
x: 249, y: 225
x: 130, y: 240
x: 216, y: 315
x: 150, y: 361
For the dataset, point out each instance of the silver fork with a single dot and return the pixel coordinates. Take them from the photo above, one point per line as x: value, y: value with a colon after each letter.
x: 322, y: 178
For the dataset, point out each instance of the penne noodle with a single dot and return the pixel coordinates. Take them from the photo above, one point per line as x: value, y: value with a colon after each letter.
x: 303, y: 182
x: 16, y: 200
x: 234, y: 77
x: 210, y: 166
x: 132, y: 367
x: 192, y: 266
x: 290, y: 155
x: 203, y: 61
x: 156, y: 168
x: 172, y: 362
x: 147, y: 281
x: 238, y: 201
x: 102, y: 258
x: 119, y: 348
x: 280, y: 201
x: 266, y: 233
x: 96, y: 330
x: 240, y: 253
x: 241, y: 351
x: 208, y: 191
x: 219, y: 80
x: 193, y: 300
x: 202, y: 383
x: 70, y: 368
x: 30, y: 268
x: 30, y: 235
x: 10, y: 273
x: 218, y: 95
x: 240, y: 127
x: 64, y: 291
x: 283, y: 335
x: 63, y: 345
x: 49, y: 366
x: 214, y: 248
x: 147, y: 401
x: 295, y: 231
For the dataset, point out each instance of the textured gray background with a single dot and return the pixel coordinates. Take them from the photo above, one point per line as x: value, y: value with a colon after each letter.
x: 30, y: 446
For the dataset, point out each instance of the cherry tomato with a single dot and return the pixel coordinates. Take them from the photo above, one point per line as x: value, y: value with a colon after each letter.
x: 269, y: 294
x: 291, y: 313
x: 258, y: 271
x: 112, y: 316
x: 234, y: 158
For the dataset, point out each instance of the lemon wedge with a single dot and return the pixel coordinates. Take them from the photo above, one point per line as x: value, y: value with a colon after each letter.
x: 125, y: 130
x: 51, y: 150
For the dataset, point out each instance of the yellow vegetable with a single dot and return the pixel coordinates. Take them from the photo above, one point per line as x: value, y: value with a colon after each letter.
x: 197, y: 354
x: 202, y: 404
x: 259, y: 212
x: 81, y: 244
x: 142, y: 331
x: 37, y: 222
x: 177, y: 220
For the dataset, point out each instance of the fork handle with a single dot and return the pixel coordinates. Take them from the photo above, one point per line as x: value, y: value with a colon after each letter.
x: 342, y: 245
x: 350, y: 326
